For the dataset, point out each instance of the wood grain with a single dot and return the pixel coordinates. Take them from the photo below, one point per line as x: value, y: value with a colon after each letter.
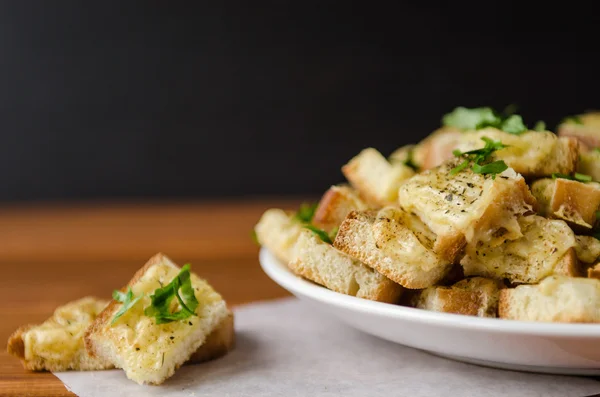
x: 53, y: 253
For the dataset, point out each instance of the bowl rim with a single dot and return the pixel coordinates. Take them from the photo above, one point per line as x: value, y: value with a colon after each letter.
x: 281, y: 274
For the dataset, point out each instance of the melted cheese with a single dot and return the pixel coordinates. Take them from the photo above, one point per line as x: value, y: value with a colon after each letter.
x: 403, y: 236
x: 139, y: 341
x: 59, y: 340
x: 528, y: 153
x: 468, y: 203
x: 526, y: 260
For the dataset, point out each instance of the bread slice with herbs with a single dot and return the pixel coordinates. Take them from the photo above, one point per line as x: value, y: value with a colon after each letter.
x: 278, y: 230
x: 554, y: 299
x: 335, y: 204
x: 473, y: 296
x: 461, y: 206
x: 375, y: 178
x: 576, y: 202
x: 57, y: 343
x: 395, y: 243
x: 530, y: 153
x: 546, y: 247
x: 166, y: 314
x: 323, y: 264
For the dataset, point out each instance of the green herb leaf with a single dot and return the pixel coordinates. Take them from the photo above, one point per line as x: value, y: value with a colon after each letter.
x: 576, y: 177
x: 459, y: 168
x: 539, y: 126
x: 514, y: 125
x: 582, y: 177
x: 321, y: 233
x: 306, y: 212
x: 470, y: 119
x: 333, y: 233
x: 409, y: 162
x: 128, y: 301
x: 163, y: 296
x: 254, y: 237
x: 572, y: 120
x: 495, y: 167
x: 597, y: 149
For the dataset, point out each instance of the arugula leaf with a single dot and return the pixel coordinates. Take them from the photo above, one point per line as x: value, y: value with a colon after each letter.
x: 480, y: 159
x: 514, y: 125
x: 576, y: 177
x: 572, y: 120
x: 471, y: 118
x: 539, y: 126
x: 128, y: 302
x: 306, y: 212
x: 494, y: 168
x: 321, y: 233
x: 163, y: 296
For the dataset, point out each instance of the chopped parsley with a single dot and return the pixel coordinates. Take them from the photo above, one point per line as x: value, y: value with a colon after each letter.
x: 479, y: 118
x: 128, y: 301
x: 539, y: 126
x: 163, y: 296
x: 306, y: 212
x: 481, y: 159
x: 576, y: 177
x: 322, y: 234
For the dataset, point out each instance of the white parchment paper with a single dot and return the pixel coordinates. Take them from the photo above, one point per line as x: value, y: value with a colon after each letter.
x: 285, y: 348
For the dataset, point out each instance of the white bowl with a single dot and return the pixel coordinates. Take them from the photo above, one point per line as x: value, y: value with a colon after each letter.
x: 569, y: 349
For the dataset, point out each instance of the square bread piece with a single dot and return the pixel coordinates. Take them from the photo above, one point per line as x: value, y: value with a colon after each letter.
x: 278, y: 231
x: 57, y: 343
x: 148, y: 352
x: 586, y: 131
x: 395, y: 243
x: 474, y: 296
x: 336, y: 203
x: 322, y: 263
x: 532, y: 153
x: 467, y: 207
x: 437, y: 148
x: 555, y: 299
x: 574, y: 202
x: 547, y: 247
x: 375, y: 178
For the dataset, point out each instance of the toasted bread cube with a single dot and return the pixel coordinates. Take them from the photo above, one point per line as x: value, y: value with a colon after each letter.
x: 403, y: 154
x: 532, y: 153
x: 437, y: 148
x: 278, y: 231
x: 218, y: 343
x: 589, y: 163
x: 594, y: 271
x: 148, y: 352
x: 395, y: 243
x: 57, y: 343
x: 322, y: 263
x: 335, y: 204
x: 554, y: 299
x: 467, y: 207
x: 475, y: 296
x: 547, y: 247
x: 588, y: 132
x: 574, y: 202
x: 376, y: 179
x: 587, y: 249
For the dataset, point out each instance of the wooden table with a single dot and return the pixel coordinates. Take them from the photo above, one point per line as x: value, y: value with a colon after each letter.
x: 53, y: 253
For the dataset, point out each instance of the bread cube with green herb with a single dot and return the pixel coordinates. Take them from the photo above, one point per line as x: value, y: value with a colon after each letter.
x: 278, y: 230
x: 155, y: 323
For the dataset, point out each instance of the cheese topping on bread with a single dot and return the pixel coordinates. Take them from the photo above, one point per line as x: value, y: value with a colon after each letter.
x: 57, y: 343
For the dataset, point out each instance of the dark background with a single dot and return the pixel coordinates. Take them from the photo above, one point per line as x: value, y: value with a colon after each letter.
x: 221, y: 99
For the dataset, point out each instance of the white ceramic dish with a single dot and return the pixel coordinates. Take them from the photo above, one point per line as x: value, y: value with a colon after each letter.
x: 570, y: 349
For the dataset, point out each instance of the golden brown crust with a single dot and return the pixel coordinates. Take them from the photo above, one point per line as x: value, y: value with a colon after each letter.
x: 577, y: 132
x: 350, y: 170
x: 504, y: 303
x: 106, y: 315
x: 459, y: 301
x: 335, y: 204
x: 570, y: 265
x: 575, y: 202
x: 437, y: 147
x: 218, y: 343
x: 450, y: 246
x: 594, y: 271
